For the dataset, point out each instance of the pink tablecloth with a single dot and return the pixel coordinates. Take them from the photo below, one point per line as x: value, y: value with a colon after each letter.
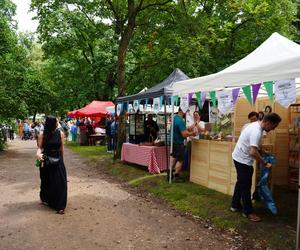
x: 152, y: 157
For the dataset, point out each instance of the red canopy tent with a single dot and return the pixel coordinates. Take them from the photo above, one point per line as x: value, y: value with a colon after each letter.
x: 94, y: 109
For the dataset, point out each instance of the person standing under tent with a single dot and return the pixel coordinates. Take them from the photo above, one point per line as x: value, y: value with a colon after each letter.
x: 198, y: 127
x: 245, y: 152
x: 252, y: 117
x: 180, y: 132
x: 74, y: 131
x: 151, y: 129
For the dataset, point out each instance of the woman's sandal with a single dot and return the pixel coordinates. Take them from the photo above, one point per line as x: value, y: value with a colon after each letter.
x: 61, y: 211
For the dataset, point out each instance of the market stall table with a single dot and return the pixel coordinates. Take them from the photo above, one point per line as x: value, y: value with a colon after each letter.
x: 153, y: 157
x: 96, y: 137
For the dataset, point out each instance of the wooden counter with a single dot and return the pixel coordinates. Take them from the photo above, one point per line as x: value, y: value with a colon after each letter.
x: 212, y: 165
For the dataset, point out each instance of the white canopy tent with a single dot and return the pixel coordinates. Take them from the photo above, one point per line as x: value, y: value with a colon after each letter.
x: 278, y: 58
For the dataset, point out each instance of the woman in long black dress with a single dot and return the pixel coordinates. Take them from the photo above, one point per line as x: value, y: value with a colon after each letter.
x: 53, y: 174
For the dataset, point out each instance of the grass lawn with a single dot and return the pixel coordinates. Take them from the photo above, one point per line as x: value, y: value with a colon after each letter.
x: 275, y: 232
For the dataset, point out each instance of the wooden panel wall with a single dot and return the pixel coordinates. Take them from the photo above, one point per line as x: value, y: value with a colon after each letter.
x: 212, y: 165
x: 200, y: 162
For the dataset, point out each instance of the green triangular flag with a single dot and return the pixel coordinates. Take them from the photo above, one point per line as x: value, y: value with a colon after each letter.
x: 213, y: 98
x: 247, y: 92
x: 198, y: 95
x: 269, y: 89
x: 176, y: 100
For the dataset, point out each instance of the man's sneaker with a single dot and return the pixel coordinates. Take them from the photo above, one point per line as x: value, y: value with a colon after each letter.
x: 252, y: 217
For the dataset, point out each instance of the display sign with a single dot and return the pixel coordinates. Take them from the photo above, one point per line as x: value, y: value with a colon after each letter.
x: 184, y: 103
x: 225, y: 101
x: 139, y: 124
x: 136, y: 105
x: 156, y: 105
x: 119, y: 109
x: 285, y: 92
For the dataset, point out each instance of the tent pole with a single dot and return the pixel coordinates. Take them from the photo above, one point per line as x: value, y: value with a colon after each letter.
x: 171, y: 140
x: 298, y: 219
x: 166, y: 131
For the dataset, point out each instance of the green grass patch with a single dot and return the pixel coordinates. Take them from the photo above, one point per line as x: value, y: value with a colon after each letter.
x: 275, y: 232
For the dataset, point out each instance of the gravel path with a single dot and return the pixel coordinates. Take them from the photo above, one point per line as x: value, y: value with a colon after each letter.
x: 99, y: 214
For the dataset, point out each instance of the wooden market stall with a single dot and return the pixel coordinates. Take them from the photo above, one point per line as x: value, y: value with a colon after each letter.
x: 211, y: 160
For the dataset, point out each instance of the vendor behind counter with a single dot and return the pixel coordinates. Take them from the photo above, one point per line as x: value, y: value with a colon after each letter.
x: 151, y: 129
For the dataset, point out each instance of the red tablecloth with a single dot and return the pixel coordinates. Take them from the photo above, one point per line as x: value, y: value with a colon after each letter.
x: 152, y: 157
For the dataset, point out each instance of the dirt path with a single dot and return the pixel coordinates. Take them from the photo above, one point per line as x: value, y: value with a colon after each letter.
x: 99, y: 214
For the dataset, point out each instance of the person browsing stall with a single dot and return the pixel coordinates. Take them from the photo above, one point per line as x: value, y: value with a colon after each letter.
x: 180, y: 132
x: 151, y: 129
x: 244, y: 154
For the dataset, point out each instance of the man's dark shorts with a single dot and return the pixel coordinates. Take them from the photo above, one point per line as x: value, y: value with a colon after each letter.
x: 178, y: 152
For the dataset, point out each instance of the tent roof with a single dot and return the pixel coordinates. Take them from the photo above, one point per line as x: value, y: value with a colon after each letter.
x: 163, y: 88
x: 95, y: 108
x: 278, y: 58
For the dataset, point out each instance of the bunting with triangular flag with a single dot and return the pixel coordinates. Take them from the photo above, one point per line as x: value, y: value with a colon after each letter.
x: 190, y: 97
x: 255, y: 90
x: 203, y: 98
x: 269, y: 89
x: 176, y: 100
x: 235, y: 95
x: 247, y: 92
x: 198, y: 96
x: 213, y: 98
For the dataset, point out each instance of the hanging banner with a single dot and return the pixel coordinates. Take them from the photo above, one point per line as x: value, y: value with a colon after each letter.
x: 247, y: 92
x: 156, y: 105
x: 269, y: 89
x: 198, y: 96
x: 171, y: 100
x: 235, y: 95
x: 285, y: 92
x: 203, y: 98
x: 176, y: 100
x: 225, y: 101
x: 255, y: 90
x: 119, y: 109
x: 184, y: 103
x: 161, y: 99
x: 136, y: 105
x: 190, y: 97
x: 213, y: 98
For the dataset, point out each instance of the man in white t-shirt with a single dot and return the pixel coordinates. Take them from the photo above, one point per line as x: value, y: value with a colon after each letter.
x: 245, y: 152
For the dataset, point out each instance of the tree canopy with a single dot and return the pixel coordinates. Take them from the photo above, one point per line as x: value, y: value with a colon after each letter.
x: 100, y: 49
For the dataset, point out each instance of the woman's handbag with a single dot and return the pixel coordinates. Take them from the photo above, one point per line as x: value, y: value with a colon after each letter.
x: 49, y: 160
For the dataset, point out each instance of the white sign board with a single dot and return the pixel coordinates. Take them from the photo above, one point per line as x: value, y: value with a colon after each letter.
x: 285, y: 92
x: 136, y: 105
x: 119, y: 109
x: 184, y: 103
x: 225, y: 101
x: 156, y: 105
